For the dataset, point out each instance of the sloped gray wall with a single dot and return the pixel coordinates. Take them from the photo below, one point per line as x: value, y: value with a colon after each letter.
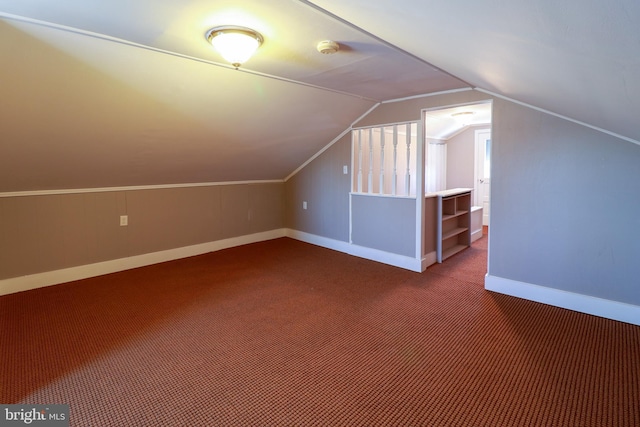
x: 565, y: 205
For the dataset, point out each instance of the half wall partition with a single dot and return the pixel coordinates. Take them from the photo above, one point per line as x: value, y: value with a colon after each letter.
x: 386, y: 216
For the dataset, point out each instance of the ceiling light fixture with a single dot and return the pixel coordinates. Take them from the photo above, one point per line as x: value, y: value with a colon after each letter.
x: 463, y: 117
x: 235, y: 44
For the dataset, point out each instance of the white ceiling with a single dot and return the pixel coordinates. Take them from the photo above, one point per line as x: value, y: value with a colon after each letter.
x: 121, y: 93
x: 445, y: 123
x: 577, y: 58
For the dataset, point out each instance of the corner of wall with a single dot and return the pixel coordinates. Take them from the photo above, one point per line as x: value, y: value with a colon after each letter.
x: 577, y: 302
x: 39, y: 280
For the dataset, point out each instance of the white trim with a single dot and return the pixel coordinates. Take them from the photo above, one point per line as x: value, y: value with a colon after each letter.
x: 383, y: 257
x: 131, y: 188
x: 479, y: 160
x: 384, y: 125
x: 444, y: 92
x: 475, y: 235
x: 325, y: 242
x: 388, y: 258
x: 572, y: 301
x: 381, y: 196
x: 542, y: 110
x: 460, y: 104
x: 326, y: 147
x: 33, y: 281
x: 315, y: 156
x: 429, y: 259
x: 112, y: 39
x: 420, y: 187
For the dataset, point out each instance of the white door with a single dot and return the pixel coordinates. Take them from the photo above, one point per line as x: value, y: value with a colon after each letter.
x: 483, y: 172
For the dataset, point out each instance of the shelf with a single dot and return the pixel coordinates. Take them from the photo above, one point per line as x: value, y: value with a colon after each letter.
x: 455, y: 215
x: 454, y: 223
x: 453, y: 250
x: 449, y: 207
x: 453, y: 232
x: 453, y: 192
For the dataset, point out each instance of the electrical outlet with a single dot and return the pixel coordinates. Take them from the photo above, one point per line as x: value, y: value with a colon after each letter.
x: 345, y: 169
x: 304, y: 205
x: 124, y: 220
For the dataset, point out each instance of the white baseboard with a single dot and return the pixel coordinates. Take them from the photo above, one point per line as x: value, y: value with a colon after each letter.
x: 476, y: 235
x: 325, y: 242
x: 429, y: 259
x: 389, y: 258
x: 33, y: 281
x: 614, y: 310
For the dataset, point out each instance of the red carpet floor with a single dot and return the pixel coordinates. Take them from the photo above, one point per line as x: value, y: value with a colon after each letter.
x: 282, y: 333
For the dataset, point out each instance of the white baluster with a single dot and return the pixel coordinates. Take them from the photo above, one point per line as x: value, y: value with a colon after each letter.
x: 359, y: 160
x: 395, y: 159
x: 382, y: 160
x: 370, y: 180
x: 407, y: 185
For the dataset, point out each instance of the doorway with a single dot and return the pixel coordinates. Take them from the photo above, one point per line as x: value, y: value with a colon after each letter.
x: 458, y: 156
x: 482, y: 173
x: 454, y: 159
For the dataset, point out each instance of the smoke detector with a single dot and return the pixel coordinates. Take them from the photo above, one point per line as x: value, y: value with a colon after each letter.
x: 327, y: 47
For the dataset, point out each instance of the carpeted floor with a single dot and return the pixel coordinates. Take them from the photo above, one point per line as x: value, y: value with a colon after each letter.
x: 282, y: 333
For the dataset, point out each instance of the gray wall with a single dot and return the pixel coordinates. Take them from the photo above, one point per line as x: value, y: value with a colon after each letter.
x: 461, y: 158
x: 325, y: 188
x: 565, y: 205
x: 51, y: 232
x: 565, y: 199
x: 372, y: 227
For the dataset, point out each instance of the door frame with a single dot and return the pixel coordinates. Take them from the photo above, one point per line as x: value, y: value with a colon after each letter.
x: 478, y: 168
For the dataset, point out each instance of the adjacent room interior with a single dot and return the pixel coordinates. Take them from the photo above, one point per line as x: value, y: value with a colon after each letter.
x: 380, y: 214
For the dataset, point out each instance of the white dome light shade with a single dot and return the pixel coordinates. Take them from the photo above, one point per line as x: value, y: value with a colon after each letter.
x: 235, y: 44
x: 463, y: 117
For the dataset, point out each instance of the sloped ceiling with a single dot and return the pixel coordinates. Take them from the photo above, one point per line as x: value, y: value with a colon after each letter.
x: 576, y: 58
x: 445, y: 123
x: 121, y: 93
